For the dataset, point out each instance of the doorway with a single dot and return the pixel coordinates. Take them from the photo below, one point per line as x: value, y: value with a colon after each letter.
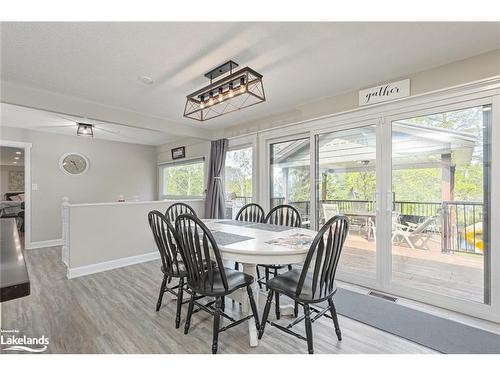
x: 15, y: 186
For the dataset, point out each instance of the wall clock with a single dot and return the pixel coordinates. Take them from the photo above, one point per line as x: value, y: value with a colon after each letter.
x: 73, y: 163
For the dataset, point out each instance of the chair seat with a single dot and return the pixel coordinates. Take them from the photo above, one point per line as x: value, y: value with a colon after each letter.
x: 235, y: 280
x: 287, y: 282
x: 179, y: 271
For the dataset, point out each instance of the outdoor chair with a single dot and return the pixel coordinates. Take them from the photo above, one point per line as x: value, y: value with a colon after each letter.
x: 372, y: 228
x: 330, y: 210
x: 415, y: 235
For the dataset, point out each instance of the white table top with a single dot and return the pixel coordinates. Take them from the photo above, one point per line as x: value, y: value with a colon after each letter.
x: 257, y: 250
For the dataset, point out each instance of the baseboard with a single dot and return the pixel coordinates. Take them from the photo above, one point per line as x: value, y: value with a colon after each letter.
x: 42, y: 244
x: 112, y: 264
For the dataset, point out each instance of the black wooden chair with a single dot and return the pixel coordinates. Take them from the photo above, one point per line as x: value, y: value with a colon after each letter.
x: 280, y: 215
x: 178, y: 209
x: 206, y: 274
x: 172, y: 266
x: 251, y: 212
x: 314, y: 283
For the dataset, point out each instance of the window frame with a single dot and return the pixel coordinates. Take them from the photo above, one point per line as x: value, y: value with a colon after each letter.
x: 174, y: 163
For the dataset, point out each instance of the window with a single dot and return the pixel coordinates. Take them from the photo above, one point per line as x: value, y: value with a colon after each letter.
x: 238, y: 179
x: 182, y: 179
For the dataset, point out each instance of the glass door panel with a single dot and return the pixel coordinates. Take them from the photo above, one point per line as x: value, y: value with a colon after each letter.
x: 238, y: 174
x: 290, y: 176
x: 440, y: 207
x: 346, y: 184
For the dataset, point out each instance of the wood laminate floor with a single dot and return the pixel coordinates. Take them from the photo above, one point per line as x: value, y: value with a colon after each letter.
x: 114, y: 312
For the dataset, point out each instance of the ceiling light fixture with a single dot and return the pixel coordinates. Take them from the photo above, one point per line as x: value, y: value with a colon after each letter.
x: 16, y: 158
x: 85, y: 130
x: 18, y: 152
x: 230, y: 93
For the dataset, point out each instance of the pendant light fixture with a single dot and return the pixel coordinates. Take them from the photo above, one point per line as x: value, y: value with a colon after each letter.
x: 231, y: 92
x: 85, y: 130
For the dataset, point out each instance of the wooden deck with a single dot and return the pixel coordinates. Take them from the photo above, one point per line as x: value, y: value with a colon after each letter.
x: 456, y: 274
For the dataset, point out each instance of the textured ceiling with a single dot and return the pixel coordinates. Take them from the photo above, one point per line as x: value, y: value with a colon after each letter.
x: 301, y: 62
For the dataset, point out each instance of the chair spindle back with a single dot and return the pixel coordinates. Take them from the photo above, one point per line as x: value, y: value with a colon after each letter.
x: 326, y: 257
x: 284, y: 215
x: 166, y: 241
x: 200, y: 253
x: 251, y: 212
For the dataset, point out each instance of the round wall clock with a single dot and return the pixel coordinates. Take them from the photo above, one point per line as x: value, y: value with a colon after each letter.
x: 73, y: 163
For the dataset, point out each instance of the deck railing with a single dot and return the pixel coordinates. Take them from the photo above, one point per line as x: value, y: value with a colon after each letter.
x: 458, y: 223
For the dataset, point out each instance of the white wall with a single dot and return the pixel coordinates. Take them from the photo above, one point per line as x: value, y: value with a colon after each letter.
x: 116, y: 168
x: 4, y: 177
x: 195, y: 147
x: 459, y: 72
x: 456, y: 73
x: 105, y: 236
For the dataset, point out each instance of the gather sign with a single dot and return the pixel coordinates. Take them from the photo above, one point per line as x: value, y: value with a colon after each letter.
x: 385, y: 92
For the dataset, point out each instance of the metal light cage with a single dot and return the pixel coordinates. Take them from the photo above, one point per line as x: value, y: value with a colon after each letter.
x: 237, y: 90
x: 85, y: 130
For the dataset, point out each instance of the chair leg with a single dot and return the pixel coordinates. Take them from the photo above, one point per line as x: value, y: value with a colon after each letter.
x: 309, y: 334
x: 223, y: 304
x: 267, y: 277
x: 189, y: 313
x: 265, y: 315
x: 180, y: 295
x: 215, y: 333
x: 277, y: 301
x: 253, y: 307
x: 277, y: 306
x: 296, y: 309
x: 258, y: 277
x: 162, y: 290
x: 333, y: 312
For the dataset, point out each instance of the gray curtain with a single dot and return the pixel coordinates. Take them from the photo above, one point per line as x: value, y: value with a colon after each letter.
x: 215, y: 204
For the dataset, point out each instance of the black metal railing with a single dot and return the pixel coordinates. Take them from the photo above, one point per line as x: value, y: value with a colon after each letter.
x: 460, y: 224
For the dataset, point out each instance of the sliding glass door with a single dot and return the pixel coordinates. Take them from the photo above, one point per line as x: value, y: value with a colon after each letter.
x: 238, y: 179
x: 290, y: 163
x: 346, y: 185
x: 416, y: 189
x: 440, y: 203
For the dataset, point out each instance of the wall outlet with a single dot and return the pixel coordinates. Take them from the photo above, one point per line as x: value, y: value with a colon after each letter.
x: 34, y: 187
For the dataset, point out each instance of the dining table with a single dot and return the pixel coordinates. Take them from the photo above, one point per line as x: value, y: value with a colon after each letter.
x: 250, y: 244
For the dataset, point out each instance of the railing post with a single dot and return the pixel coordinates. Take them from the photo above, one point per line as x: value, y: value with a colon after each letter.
x: 444, y: 227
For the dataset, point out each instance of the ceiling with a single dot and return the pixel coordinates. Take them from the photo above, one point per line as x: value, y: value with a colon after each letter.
x: 34, y: 119
x: 8, y: 156
x: 300, y: 62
